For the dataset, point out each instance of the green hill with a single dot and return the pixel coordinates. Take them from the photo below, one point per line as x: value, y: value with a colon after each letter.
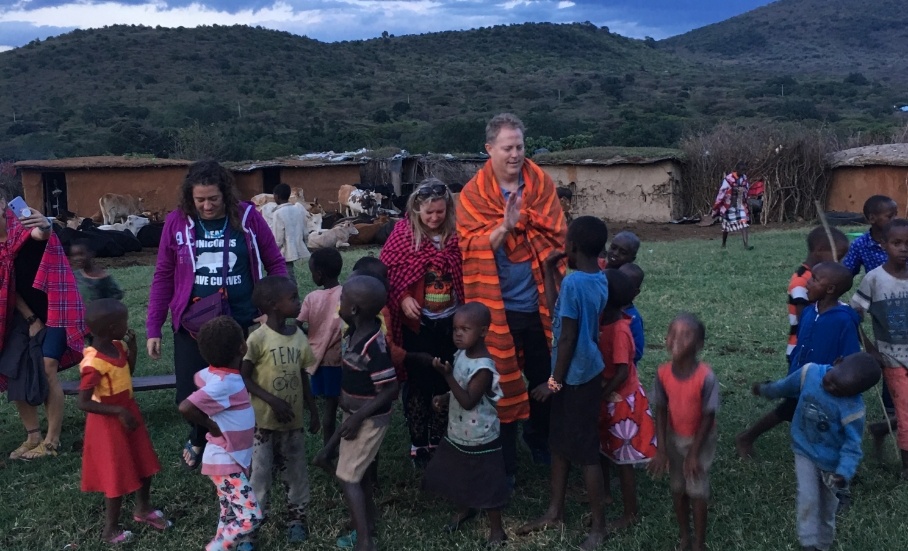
x: 820, y: 37
x: 241, y: 92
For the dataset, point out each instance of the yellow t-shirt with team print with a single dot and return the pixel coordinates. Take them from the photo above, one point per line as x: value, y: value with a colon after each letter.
x: 280, y: 361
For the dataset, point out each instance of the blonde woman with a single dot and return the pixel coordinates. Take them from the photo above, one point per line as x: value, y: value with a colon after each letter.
x: 425, y: 274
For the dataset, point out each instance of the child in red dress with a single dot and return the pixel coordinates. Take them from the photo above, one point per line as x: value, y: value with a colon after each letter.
x: 118, y: 457
x: 627, y: 431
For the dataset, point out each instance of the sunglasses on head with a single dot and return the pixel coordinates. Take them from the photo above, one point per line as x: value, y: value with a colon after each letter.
x: 432, y: 190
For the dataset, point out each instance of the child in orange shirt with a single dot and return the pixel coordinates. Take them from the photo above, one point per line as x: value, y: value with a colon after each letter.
x: 686, y: 397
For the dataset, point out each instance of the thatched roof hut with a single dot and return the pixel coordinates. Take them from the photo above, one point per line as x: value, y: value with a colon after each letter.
x: 864, y: 171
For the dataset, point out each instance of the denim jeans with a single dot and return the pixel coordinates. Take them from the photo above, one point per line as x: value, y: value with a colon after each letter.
x: 817, y: 505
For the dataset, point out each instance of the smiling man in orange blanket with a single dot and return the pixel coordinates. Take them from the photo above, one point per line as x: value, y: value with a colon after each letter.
x: 509, y: 220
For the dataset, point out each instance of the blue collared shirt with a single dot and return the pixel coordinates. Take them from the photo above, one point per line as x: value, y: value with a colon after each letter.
x: 518, y: 286
x: 864, y: 251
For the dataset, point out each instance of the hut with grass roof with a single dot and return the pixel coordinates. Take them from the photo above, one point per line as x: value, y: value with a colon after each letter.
x: 864, y: 171
x: 619, y: 184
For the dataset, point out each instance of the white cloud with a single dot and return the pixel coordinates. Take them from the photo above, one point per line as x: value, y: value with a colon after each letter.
x: 6, y: 48
x: 88, y: 15
x: 327, y: 20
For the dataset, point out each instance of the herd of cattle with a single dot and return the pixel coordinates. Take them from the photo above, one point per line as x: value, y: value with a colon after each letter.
x: 364, y: 215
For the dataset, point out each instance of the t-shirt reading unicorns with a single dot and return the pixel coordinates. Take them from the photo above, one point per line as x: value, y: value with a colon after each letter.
x: 209, y: 260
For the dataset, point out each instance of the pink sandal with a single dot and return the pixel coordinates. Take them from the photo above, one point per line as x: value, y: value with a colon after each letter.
x: 125, y: 536
x: 155, y: 519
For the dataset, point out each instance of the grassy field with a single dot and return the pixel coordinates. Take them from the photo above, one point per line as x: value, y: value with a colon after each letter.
x: 741, y: 297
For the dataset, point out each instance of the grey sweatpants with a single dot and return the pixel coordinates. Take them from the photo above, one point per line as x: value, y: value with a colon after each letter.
x: 283, y: 452
x: 817, y: 505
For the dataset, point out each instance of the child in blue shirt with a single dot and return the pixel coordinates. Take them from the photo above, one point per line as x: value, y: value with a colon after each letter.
x: 826, y: 437
x: 575, y: 387
x: 867, y: 250
x: 829, y: 328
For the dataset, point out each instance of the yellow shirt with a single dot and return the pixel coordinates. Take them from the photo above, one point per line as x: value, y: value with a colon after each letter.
x: 279, y: 361
x: 107, y: 377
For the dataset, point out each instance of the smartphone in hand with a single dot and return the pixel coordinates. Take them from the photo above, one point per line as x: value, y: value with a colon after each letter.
x: 19, y: 208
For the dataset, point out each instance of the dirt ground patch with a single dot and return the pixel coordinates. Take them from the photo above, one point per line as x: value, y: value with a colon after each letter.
x: 646, y: 232
x: 676, y: 232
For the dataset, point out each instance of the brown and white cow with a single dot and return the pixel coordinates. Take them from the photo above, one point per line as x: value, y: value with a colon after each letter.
x: 117, y: 207
x: 351, y: 202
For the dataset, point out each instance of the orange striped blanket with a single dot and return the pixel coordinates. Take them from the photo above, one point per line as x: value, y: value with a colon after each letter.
x: 540, y: 231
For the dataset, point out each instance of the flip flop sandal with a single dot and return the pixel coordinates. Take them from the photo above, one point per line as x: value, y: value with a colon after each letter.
x: 347, y: 541
x: 125, y: 536
x: 194, y: 456
x: 41, y: 450
x: 155, y: 519
x: 23, y: 448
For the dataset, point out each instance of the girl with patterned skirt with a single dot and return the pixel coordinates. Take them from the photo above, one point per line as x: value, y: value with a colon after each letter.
x: 627, y: 430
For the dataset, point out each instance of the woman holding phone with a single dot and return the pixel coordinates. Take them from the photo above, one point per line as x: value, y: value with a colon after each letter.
x: 38, y: 297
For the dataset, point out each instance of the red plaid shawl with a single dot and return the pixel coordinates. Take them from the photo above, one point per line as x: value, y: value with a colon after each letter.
x: 406, y: 266
x: 54, y: 278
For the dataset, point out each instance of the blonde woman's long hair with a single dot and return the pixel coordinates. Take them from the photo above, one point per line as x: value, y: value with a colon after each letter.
x: 415, y: 203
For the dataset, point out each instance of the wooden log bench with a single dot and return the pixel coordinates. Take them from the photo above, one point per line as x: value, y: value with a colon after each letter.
x: 150, y: 382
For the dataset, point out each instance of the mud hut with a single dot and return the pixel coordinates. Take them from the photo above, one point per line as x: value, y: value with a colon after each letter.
x: 75, y: 184
x: 318, y: 175
x: 619, y: 184
x: 864, y: 171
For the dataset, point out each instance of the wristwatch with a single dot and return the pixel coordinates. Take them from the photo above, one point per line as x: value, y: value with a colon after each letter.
x: 30, y: 320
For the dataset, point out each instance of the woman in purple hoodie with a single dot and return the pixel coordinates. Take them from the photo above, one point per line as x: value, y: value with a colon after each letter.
x: 190, y: 264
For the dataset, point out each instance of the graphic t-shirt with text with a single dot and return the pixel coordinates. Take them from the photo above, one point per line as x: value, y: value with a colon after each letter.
x: 279, y: 361
x: 209, y: 259
x: 885, y: 298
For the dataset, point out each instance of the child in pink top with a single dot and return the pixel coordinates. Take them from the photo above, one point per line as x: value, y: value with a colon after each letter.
x: 221, y: 405
x: 319, y: 315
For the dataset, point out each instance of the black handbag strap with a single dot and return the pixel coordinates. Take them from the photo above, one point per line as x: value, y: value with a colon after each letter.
x: 226, y: 255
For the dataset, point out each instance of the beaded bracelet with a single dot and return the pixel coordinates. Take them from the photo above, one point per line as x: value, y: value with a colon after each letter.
x: 554, y: 385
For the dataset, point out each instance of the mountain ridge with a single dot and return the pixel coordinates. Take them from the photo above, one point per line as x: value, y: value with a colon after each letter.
x: 257, y: 93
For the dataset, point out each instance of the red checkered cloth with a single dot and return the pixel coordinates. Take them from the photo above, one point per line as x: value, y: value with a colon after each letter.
x: 730, y: 202
x: 55, y: 278
x: 406, y: 266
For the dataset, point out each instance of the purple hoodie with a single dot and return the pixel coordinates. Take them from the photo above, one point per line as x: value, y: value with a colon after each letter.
x: 174, y: 272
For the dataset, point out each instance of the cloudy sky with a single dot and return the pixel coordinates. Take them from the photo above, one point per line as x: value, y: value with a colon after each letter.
x: 22, y: 21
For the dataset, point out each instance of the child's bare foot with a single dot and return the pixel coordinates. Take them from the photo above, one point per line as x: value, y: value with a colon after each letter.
x: 744, y: 446
x: 497, y: 539
x: 542, y: 523
x: 621, y: 523
x: 593, y: 540
x: 321, y: 460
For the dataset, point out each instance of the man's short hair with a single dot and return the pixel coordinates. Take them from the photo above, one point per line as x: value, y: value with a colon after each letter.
x: 503, y: 120
x: 281, y: 191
